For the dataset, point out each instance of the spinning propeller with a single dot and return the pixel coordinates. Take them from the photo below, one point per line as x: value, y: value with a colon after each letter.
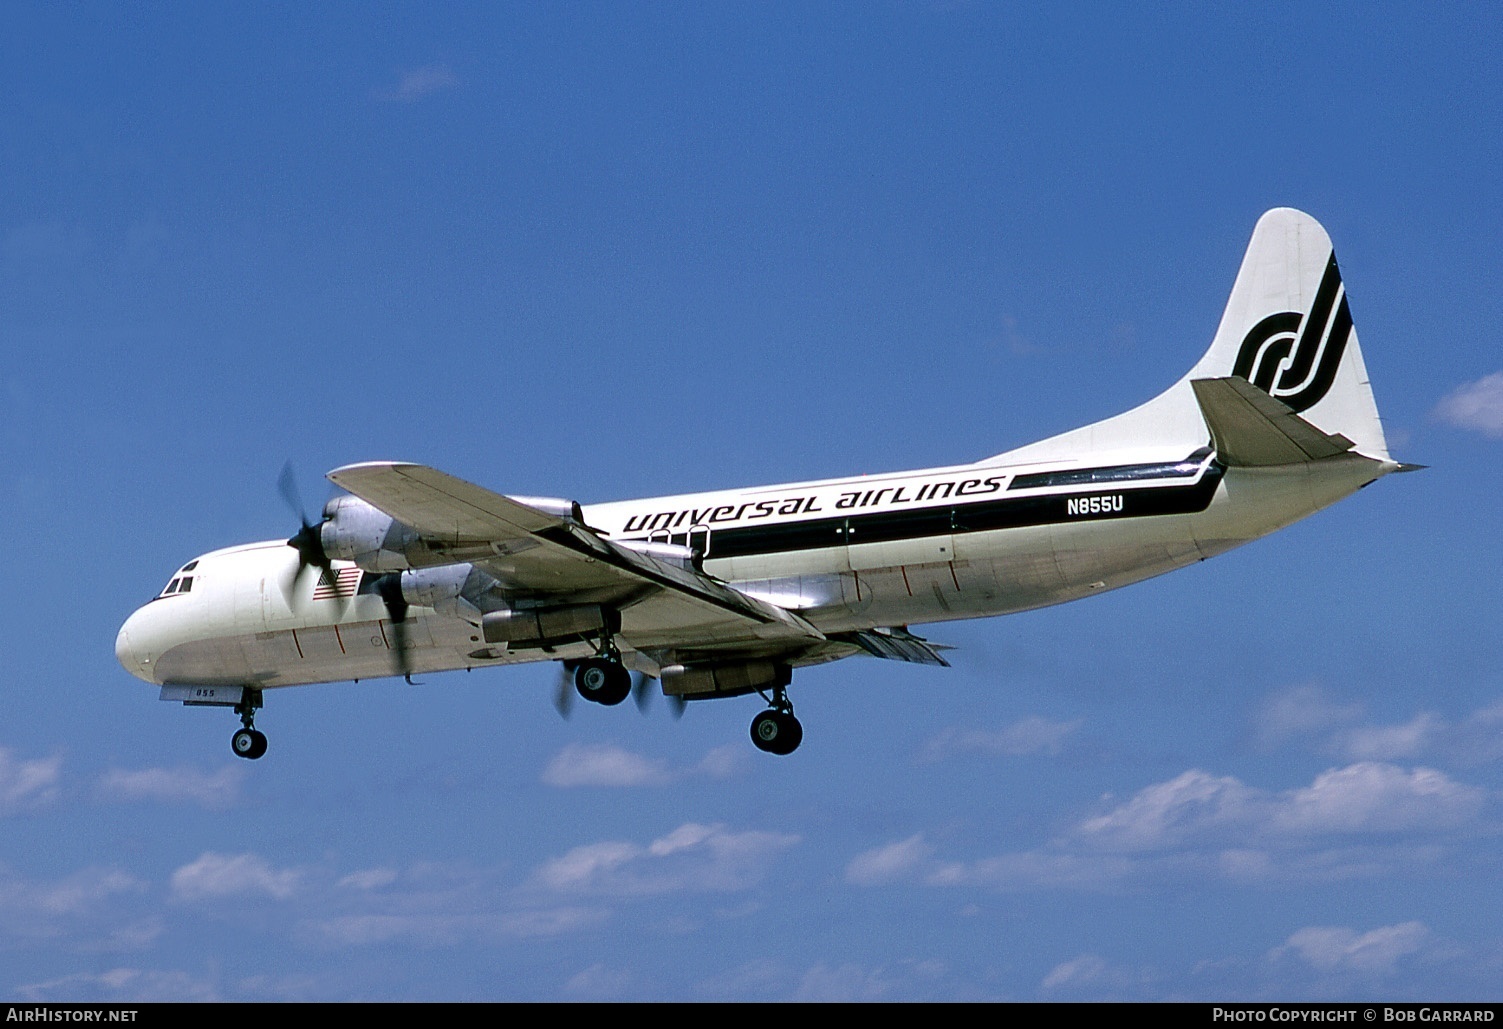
x: 309, y: 545
x: 308, y: 542
x: 642, y: 692
x: 389, y: 586
x: 563, y: 689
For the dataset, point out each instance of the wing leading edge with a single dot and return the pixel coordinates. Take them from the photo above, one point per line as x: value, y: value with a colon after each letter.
x: 543, y: 557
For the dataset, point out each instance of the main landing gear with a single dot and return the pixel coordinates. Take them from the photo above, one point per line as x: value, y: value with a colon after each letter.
x: 248, y: 742
x: 603, y: 680
x: 776, y: 730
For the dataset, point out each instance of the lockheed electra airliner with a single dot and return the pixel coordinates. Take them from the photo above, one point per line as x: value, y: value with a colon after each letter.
x: 724, y: 594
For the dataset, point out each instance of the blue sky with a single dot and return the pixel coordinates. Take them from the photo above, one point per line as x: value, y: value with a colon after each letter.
x: 604, y: 251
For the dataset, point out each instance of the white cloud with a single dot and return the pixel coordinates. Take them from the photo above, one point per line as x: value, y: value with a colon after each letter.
x: 1167, y: 813
x: 121, y: 986
x: 581, y: 764
x: 1391, y: 742
x: 226, y: 875
x: 70, y: 895
x: 1308, y: 710
x: 40, y: 909
x: 439, y: 928
x: 599, y: 982
x: 1339, y: 949
x: 1034, y: 869
x: 1086, y: 972
x: 762, y: 978
x: 725, y: 762
x: 1474, y: 739
x: 1359, y: 821
x: 1480, y: 737
x: 1299, y: 711
x: 27, y: 785
x: 368, y: 879
x: 890, y: 863
x: 692, y: 858
x: 1373, y: 797
x: 1475, y: 405
x: 429, y: 904
x: 841, y: 984
x: 913, y: 860
x: 768, y: 980
x: 212, y: 790
x: 417, y: 83
x: 1366, y: 797
x: 1033, y: 735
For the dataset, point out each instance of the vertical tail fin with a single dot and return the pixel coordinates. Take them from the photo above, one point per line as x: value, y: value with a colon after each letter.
x: 1287, y: 330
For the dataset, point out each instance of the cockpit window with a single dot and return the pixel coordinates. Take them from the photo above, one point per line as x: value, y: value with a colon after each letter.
x: 182, y: 582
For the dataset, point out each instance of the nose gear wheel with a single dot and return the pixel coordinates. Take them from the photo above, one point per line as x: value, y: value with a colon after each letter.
x: 248, y: 742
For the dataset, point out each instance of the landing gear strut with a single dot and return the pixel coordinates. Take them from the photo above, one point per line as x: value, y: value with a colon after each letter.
x: 776, y: 730
x: 247, y: 741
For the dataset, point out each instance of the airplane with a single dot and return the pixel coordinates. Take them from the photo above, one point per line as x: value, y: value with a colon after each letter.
x: 724, y: 594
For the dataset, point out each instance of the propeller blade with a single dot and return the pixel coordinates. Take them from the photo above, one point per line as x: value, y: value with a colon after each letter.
x: 308, y: 542
x: 641, y: 691
x: 563, y: 689
x: 287, y: 486
x: 389, y: 586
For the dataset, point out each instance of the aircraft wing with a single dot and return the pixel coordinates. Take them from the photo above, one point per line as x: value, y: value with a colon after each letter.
x: 547, y: 556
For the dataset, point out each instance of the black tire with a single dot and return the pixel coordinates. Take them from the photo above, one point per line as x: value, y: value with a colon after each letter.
x: 791, y: 736
x: 602, y: 682
x: 619, y: 688
x: 767, y: 730
x: 244, y: 744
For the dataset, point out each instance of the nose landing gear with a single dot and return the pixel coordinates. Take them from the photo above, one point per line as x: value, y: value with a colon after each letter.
x: 248, y: 742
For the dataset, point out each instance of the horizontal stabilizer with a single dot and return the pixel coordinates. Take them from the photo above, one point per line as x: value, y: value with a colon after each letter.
x: 896, y: 645
x: 1249, y: 428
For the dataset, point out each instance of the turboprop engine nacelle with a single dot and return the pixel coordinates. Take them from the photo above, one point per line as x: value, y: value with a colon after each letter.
x: 568, y: 509
x: 723, y: 680
x: 544, y: 624
x: 359, y: 532
x: 457, y: 590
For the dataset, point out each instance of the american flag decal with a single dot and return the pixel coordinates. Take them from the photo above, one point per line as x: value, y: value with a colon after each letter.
x: 345, y: 582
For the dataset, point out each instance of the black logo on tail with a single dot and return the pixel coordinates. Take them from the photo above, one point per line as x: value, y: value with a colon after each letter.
x: 1294, y: 360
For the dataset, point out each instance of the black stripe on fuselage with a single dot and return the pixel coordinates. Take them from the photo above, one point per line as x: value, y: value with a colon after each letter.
x: 979, y: 516
x: 1185, y: 469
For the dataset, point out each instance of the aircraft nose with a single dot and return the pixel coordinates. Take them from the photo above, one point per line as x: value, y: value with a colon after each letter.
x: 126, y: 653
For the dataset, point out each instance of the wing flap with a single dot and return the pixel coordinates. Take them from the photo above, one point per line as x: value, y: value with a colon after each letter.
x: 896, y: 644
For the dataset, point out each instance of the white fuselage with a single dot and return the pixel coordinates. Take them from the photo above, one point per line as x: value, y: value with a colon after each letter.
x: 846, y: 554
